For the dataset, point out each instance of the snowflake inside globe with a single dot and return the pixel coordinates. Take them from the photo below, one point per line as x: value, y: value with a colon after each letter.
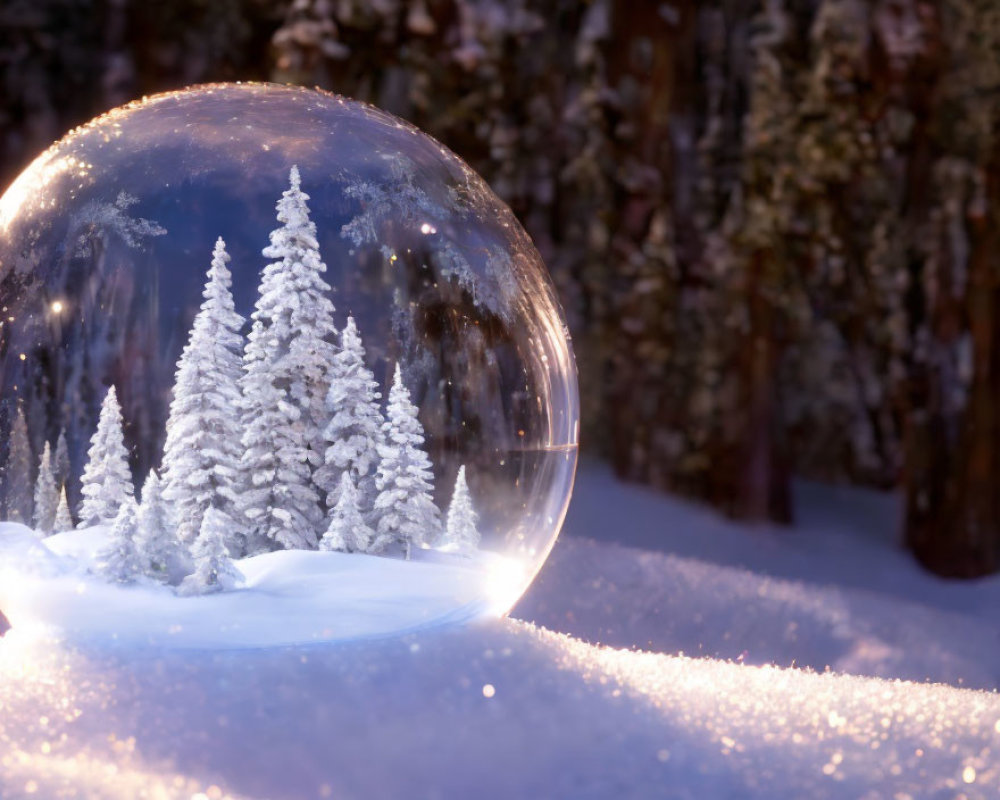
x: 274, y: 367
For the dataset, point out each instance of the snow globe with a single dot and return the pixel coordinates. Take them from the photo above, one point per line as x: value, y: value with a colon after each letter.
x: 275, y: 367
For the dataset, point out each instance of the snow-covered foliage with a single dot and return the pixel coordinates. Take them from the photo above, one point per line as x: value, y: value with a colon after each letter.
x: 106, y: 481
x: 285, y: 381
x: 355, y: 427
x: 461, y: 534
x: 404, y: 508
x: 201, y: 457
x: 277, y: 504
x: 348, y: 530
x: 119, y: 561
x: 17, y: 475
x: 214, y: 571
x: 46, y: 495
x: 157, y: 541
x: 295, y: 303
x: 64, y: 517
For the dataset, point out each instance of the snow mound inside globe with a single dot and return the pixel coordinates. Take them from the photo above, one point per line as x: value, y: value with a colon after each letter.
x: 275, y: 368
x: 289, y: 597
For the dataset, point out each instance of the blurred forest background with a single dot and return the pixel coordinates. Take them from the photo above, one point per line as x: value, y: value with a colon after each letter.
x: 773, y: 223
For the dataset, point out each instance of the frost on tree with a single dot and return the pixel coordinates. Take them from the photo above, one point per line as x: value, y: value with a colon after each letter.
x: 355, y: 427
x: 348, y: 531
x: 119, y: 561
x: 159, y: 547
x: 461, y: 534
x: 214, y: 571
x: 64, y: 518
x: 46, y: 495
x: 97, y: 219
x: 404, y: 508
x: 17, y: 477
x: 106, y: 481
x: 201, y: 457
x: 286, y: 377
x: 399, y: 202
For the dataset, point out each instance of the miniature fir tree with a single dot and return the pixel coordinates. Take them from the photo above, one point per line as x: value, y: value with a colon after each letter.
x: 214, y: 571
x: 119, y: 561
x: 355, y: 428
x: 348, y: 531
x: 106, y: 481
x: 156, y: 538
x: 460, y: 534
x: 17, y: 476
x: 201, y: 457
x: 46, y: 496
x: 295, y: 301
x: 64, y: 519
x: 60, y: 463
x: 278, y: 503
x: 404, y: 508
x: 286, y: 376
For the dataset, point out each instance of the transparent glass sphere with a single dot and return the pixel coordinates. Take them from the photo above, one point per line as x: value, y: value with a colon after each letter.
x: 333, y: 346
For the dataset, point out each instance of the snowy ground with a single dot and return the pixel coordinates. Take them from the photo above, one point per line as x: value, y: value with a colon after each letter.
x: 288, y: 597
x: 506, y: 709
x: 837, y: 590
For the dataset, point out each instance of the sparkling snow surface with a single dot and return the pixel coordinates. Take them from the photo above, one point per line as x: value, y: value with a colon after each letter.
x: 506, y: 709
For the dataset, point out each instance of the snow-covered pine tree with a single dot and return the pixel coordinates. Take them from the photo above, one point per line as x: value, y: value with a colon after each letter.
x: 46, y: 496
x: 461, y: 534
x: 119, y: 561
x: 160, y: 549
x: 214, y: 570
x: 60, y: 462
x: 64, y: 519
x: 278, y: 504
x: 286, y: 377
x: 404, y: 508
x: 348, y: 530
x: 17, y: 476
x: 107, y: 482
x: 201, y: 457
x: 305, y: 308
x: 355, y: 427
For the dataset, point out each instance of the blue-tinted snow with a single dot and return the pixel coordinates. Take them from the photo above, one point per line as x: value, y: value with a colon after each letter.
x: 506, y: 710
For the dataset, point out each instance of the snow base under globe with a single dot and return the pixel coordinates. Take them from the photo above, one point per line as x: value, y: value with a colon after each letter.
x: 290, y: 505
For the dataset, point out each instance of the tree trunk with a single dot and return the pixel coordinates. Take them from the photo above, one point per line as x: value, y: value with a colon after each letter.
x: 761, y: 491
x: 953, y: 464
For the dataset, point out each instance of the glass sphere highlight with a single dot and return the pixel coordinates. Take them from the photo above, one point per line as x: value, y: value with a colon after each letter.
x: 280, y: 368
